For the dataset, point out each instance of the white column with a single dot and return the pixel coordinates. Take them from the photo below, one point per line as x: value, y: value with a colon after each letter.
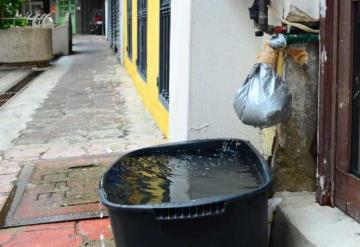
x: 213, y: 48
x: 180, y: 49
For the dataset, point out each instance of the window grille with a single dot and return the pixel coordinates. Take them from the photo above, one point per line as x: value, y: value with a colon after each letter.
x: 164, y: 67
x: 142, y: 37
x: 129, y: 28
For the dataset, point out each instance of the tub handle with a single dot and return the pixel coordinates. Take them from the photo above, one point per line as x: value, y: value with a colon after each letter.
x: 192, y: 212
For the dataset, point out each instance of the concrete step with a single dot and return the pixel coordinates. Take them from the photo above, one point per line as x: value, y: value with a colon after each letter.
x: 300, y: 222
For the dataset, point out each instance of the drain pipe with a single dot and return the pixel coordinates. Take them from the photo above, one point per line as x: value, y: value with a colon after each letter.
x: 259, y: 14
x: 302, y: 38
x: 263, y: 13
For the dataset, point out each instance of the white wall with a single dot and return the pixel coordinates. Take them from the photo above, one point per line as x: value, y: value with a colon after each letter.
x: 179, y: 69
x: 310, y: 7
x: 218, y: 48
x: 213, y: 47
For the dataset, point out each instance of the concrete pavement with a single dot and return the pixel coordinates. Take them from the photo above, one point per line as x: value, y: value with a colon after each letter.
x: 83, y: 104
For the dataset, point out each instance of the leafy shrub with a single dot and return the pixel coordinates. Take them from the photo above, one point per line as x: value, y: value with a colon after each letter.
x: 9, y: 9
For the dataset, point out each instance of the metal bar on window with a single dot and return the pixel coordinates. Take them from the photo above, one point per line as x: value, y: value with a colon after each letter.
x: 164, y: 67
x: 129, y: 28
x: 142, y: 37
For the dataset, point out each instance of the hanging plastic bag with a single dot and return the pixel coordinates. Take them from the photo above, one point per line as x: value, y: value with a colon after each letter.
x: 264, y: 99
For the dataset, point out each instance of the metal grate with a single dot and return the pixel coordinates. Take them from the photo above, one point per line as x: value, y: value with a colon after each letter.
x: 6, y: 96
x: 18, y: 87
x: 60, y: 191
x: 21, y: 84
x: 142, y: 37
x: 129, y: 28
x: 164, y: 66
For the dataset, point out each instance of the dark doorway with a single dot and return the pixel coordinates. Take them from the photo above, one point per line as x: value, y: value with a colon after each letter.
x: 92, y: 17
x: 35, y: 6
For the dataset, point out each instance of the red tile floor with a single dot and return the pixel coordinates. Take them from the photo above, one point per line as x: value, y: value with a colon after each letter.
x: 73, y: 234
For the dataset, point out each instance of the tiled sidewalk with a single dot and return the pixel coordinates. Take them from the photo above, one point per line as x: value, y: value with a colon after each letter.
x: 84, y: 104
x: 91, y: 233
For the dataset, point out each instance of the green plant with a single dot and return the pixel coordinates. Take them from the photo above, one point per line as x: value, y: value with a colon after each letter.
x: 8, y: 10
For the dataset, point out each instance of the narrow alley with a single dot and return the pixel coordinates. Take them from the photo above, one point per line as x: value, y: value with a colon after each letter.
x: 138, y: 123
x: 82, y: 110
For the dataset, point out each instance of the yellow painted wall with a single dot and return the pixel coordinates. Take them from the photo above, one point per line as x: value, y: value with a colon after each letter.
x: 148, y: 90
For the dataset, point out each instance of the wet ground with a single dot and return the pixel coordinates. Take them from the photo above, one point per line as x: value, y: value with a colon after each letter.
x: 82, y: 105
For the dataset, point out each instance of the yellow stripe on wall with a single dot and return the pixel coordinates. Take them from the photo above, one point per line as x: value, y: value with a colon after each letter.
x: 148, y: 90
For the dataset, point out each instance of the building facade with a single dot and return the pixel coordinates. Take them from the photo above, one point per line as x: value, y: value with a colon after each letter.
x: 87, y: 16
x: 146, y: 39
x: 158, y: 36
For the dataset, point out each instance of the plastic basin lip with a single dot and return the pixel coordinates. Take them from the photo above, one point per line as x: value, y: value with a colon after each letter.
x: 189, y: 203
x: 263, y: 188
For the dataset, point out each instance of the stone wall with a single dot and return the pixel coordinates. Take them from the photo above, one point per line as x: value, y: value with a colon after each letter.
x: 293, y: 163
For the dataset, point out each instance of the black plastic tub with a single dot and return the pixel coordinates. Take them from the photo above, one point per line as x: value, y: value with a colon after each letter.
x: 197, y: 193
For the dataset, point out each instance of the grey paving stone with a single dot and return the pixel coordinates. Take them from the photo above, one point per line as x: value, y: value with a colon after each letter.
x: 92, y: 109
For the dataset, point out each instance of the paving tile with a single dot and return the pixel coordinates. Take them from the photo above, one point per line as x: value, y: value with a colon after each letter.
x: 66, y: 234
x: 94, y: 149
x: 6, y: 178
x: 9, y: 167
x: 94, y: 229
x: 4, y: 237
x: 103, y: 103
x: 63, y: 152
x: 99, y: 243
x: 85, y: 114
x: 5, y: 187
x: 24, y: 153
x: 54, y: 235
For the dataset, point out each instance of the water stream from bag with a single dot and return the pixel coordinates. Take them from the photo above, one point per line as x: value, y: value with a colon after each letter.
x: 163, y: 178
